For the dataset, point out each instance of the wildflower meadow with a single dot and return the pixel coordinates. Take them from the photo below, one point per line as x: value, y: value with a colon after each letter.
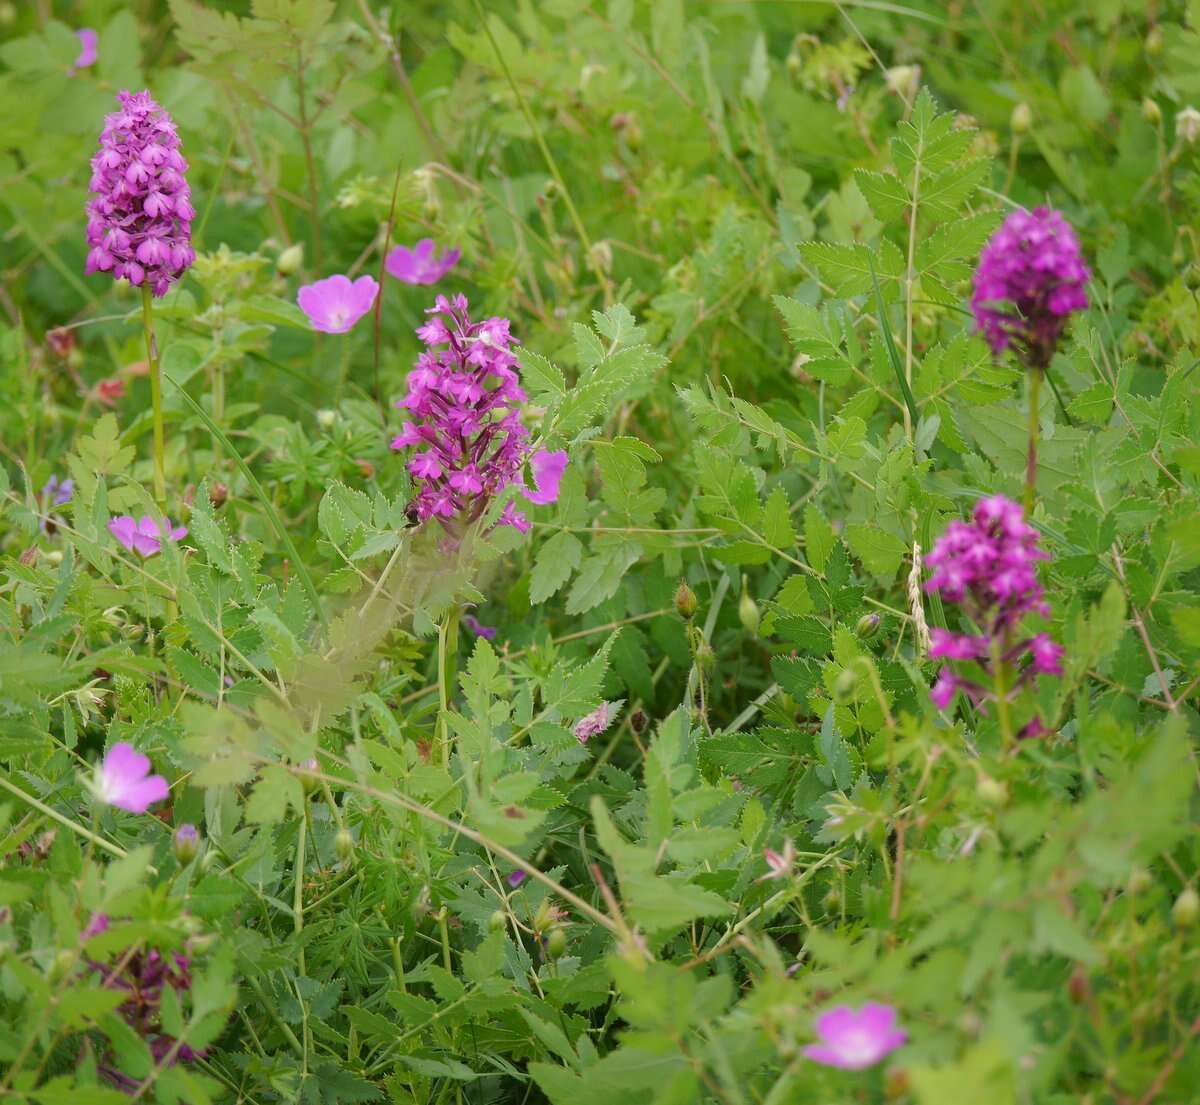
x: 594, y: 551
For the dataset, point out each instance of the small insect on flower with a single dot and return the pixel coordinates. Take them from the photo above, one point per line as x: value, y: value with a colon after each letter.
x: 420, y: 264
x: 123, y: 780
x: 854, y: 1039
x: 335, y: 304
x: 144, y: 536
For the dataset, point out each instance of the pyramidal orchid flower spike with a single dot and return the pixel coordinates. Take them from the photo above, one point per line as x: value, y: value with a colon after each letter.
x: 140, y: 216
x: 124, y: 780
x: 335, y: 304
x: 143, y: 536
x: 420, y: 265
x: 987, y: 567
x: 1031, y: 278
x: 854, y: 1039
x: 469, y: 444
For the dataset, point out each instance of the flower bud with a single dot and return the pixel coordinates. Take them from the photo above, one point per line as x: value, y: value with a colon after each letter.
x: 705, y: 658
x: 1079, y: 986
x: 685, y: 601
x: 1154, y: 41
x: 1186, y: 909
x: 991, y: 792
x: 903, y: 80
x: 290, y: 259
x: 187, y: 843
x: 63, y: 962
x: 556, y: 942
x: 545, y: 916
x: 306, y: 773
x: 326, y: 419
x: 1022, y: 118
x: 218, y: 494
x: 343, y: 844
x: 55, y: 557
x: 1140, y: 881
x: 638, y: 721
x: 867, y: 626
x: 498, y: 921
x: 1187, y: 125
x: 1151, y: 112
x: 842, y: 691
x: 748, y: 613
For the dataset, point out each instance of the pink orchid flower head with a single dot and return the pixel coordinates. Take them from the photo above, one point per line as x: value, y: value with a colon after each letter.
x: 335, y: 304
x: 88, y: 41
x: 124, y: 780
x: 853, y: 1039
x: 421, y: 265
x: 144, y: 536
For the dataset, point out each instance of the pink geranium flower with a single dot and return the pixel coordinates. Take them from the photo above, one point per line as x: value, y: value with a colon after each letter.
x: 88, y: 40
x: 420, y: 265
x: 145, y: 536
x: 853, y: 1039
x: 335, y: 304
x: 124, y: 780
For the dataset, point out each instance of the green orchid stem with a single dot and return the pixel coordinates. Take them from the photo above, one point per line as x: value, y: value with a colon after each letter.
x: 160, y: 479
x: 1035, y: 391
x: 447, y: 671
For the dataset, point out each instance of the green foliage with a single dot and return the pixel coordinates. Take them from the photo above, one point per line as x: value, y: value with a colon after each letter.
x: 736, y: 247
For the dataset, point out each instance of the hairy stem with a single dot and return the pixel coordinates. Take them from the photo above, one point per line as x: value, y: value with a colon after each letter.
x: 160, y: 479
x: 1035, y: 391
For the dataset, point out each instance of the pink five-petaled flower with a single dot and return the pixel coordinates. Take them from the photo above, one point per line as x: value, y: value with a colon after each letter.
x: 145, y: 536
x: 1031, y: 277
x: 88, y: 40
x: 140, y: 217
x: 463, y: 405
x: 487, y: 632
x: 420, y: 265
x: 124, y: 780
x: 335, y: 304
x: 597, y: 721
x: 854, y: 1039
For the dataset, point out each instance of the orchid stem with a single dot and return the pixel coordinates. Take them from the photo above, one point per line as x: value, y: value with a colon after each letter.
x: 447, y: 670
x: 1035, y: 390
x: 160, y: 479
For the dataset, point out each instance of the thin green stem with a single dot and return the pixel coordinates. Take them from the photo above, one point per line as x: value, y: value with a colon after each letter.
x: 447, y: 670
x: 160, y: 479
x: 1035, y: 390
x: 66, y: 822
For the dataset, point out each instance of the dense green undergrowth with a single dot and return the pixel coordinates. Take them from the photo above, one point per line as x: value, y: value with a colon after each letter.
x: 735, y: 242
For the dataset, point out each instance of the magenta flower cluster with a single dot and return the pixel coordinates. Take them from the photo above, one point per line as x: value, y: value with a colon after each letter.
x: 140, y: 219
x: 987, y: 567
x: 465, y: 424
x: 1031, y: 277
x: 141, y: 979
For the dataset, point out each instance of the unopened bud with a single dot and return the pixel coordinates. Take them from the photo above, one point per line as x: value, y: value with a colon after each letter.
x: 1079, y: 986
x: 1187, y: 125
x: 685, y: 601
x: 1022, y: 118
x: 867, y: 627
x: 54, y: 556
x: 1140, y: 880
x: 343, y: 844
x: 903, y: 80
x: 326, y: 419
x: 843, y: 687
x: 748, y: 613
x: 1154, y: 41
x: 187, y: 843
x: 290, y: 259
x: 601, y: 256
x: 544, y: 917
x: 307, y: 774
x: 218, y: 494
x: 498, y: 921
x: 1151, y: 112
x: 638, y: 721
x: 991, y: 792
x: 556, y: 942
x: 1186, y: 909
x: 705, y: 658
